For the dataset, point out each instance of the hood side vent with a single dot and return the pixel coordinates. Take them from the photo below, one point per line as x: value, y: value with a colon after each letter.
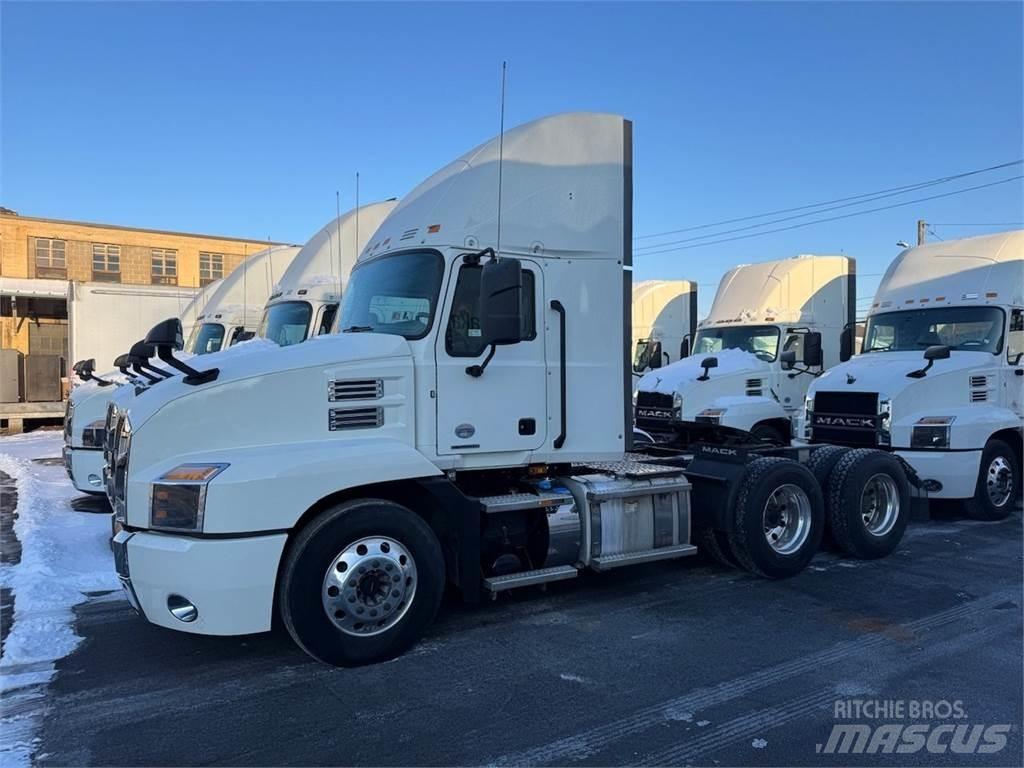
x: 979, y: 389
x: 355, y: 418
x: 354, y: 389
x: 755, y: 387
x: 409, y: 234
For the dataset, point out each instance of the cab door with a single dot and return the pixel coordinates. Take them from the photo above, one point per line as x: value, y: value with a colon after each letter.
x: 504, y: 408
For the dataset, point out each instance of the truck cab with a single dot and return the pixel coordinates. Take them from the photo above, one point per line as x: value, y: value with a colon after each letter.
x: 773, y: 327
x: 939, y: 379
x: 233, y: 311
x: 664, y: 319
x: 304, y: 303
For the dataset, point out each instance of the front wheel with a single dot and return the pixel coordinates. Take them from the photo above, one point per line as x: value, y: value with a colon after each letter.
x: 361, y: 582
x: 998, y: 484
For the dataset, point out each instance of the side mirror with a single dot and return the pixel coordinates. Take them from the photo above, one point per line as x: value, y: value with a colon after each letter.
x: 788, y: 359
x: 846, y: 344
x: 244, y: 336
x: 166, y: 334
x: 501, y: 288
x: 654, y: 357
x: 121, y: 362
x: 684, y: 348
x: 938, y: 352
x: 813, y: 355
x: 707, y: 364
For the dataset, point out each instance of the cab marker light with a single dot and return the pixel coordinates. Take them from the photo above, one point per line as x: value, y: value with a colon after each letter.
x: 991, y: 295
x: 433, y: 229
x: 193, y: 473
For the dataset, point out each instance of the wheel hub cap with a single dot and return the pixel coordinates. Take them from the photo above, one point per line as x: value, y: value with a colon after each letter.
x: 879, y: 504
x: 999, y: 481
x: 787, y: 519
x: 369, y: 586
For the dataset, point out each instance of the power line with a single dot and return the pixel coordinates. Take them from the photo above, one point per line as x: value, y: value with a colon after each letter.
x: 990, y: 224
x: 834, y: 218
x: 880, y: 192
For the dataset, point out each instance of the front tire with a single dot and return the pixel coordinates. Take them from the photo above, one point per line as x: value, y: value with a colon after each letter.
x: 998, y: 485
x: 868, y: 503
x: 361, y: 582
x: 779, y: 518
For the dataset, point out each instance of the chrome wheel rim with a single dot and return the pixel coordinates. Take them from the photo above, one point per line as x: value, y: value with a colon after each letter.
x: 879, y: 504
x: 999, y: 481
x: 369, y: 586
x: 787, y: 519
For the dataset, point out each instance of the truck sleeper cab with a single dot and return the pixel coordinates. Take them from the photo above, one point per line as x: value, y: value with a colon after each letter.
x: 468, y: 425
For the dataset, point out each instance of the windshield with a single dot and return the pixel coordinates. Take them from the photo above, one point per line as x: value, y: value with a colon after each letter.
x: 762, y: 340
x: 286, y: 323
x: 393, y: 294
x: 977, y: 329
x: 206, y: 338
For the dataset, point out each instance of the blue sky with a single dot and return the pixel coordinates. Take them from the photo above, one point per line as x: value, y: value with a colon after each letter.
x: 243, y: 118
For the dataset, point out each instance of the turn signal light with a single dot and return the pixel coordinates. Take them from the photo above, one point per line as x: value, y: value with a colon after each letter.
x: 193, y: 473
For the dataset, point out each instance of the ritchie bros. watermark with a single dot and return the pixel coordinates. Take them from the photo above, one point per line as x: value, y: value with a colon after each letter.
x: 907, y: 726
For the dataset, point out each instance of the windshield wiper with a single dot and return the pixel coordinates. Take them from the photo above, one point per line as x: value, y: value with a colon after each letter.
x: 357, y: 329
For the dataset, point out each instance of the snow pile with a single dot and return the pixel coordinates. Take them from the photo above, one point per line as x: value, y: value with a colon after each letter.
x: 64, y: 554
x: 682, y: 374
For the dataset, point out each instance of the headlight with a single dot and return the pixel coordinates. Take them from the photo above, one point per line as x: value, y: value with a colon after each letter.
x: 711, y: 415
x: 178, y: 497
x: 677, y: 402
x: 931, y: 432
x: 93, y: 435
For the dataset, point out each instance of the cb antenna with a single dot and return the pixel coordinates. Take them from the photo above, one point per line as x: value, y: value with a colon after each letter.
x: 357, y: 215
x: 501, y: 154
x: 337, y: 207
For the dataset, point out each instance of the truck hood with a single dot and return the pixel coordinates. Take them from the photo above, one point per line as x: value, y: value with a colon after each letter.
x: 886, y: 372
x: 239, y: 364
x: 683, y: 374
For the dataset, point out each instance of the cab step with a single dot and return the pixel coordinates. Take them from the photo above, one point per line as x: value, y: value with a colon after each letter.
x: 607, y: 562
x: 528, y: 578
x: 510, y: 502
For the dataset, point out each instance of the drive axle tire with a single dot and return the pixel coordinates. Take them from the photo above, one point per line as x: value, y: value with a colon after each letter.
x: 868, y: 503
x: 779, y: 518
x: 998, y: 487
x: 361, y: 582
x: 715, y: 544
x: 821, y: 463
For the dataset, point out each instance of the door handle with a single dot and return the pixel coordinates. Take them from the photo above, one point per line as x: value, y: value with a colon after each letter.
x: 557, y: 306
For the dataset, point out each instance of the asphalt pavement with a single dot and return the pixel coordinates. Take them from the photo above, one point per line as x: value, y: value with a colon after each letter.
x: 683, y: 663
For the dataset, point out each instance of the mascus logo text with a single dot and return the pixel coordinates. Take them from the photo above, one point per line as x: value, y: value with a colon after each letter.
x: 654, y: 413
x: 847, y: 422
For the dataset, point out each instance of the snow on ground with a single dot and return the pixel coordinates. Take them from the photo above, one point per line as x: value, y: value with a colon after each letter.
x: 64, y: 554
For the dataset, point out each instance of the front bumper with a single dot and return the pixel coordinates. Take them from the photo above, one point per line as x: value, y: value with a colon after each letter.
x: 85, y: 468
x: 957, y: 471
x: 230, y: 581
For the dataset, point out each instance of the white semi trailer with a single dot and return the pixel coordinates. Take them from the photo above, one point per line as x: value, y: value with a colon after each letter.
x: 664, y: 320
x: 939, y: 381
x: 772, y: 328
x: 470, y: 425
x: 304, y: 302
x: 234, y: 310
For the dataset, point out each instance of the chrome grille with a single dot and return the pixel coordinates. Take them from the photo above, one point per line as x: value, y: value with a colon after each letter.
x: 115, y: 473
x: 354, y: 389
x: 69, y: 413
x: 355, y: 418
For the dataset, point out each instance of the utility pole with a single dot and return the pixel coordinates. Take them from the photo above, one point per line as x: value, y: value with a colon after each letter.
x: 922, y: 225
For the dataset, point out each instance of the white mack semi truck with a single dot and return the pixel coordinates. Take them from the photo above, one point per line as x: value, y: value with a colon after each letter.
x: 304, y: 303
x: 234, y: 310
x: 664, y: 320
x: 772, y: 328
x: 469, y: 425
x: 939, y: 381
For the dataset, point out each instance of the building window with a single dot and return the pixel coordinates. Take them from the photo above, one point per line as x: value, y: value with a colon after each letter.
x: 211, y: 267
x: 164, y: 268
x: 106, y: 263
x: 51, y: 258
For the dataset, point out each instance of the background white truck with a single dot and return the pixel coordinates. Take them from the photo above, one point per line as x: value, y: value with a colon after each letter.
x: 470, y: 425
x: 739, y: 374
x: 235, y: 308
x: 939, y: 380
x: 664, y: 319
x: 304, y: 302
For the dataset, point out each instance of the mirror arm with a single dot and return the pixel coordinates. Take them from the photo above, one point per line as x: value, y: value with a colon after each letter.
x: 148, y: 377
x: 921, y: 373
x: 158, y: 371
x: 192, y: 376
x: 476, y: 371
